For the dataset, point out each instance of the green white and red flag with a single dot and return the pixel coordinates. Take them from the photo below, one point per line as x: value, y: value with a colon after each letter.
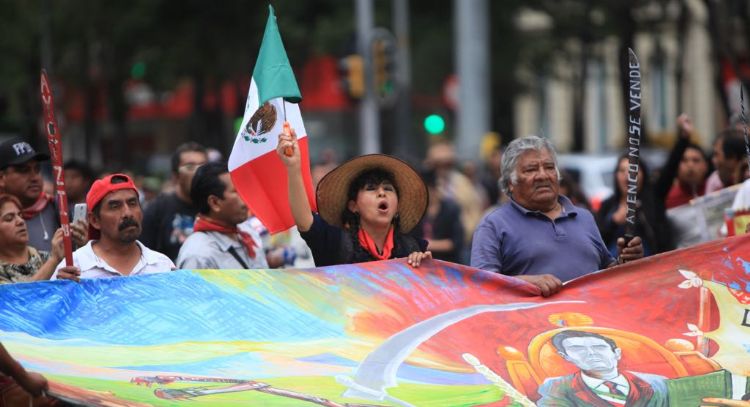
x: 258, y: 173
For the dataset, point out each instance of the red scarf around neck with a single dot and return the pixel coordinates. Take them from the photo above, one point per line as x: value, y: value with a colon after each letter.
x: 365, y: 240
x: 36, y: 207
x: 208, y: 225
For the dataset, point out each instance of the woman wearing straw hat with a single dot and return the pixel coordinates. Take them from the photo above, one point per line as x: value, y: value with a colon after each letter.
x: 366, y: 206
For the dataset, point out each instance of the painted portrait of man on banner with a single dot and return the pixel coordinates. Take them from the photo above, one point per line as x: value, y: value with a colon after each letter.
x: 599, y: 382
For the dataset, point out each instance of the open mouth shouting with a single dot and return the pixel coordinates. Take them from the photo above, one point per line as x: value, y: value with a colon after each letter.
x: 383, y: 207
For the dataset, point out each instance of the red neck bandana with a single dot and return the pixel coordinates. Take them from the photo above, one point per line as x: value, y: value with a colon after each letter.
x: 365, y: 240
x: 38, y: 206
x: 208, y: 225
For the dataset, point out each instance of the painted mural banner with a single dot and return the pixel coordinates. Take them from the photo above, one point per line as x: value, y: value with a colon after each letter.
x: 670, y: 330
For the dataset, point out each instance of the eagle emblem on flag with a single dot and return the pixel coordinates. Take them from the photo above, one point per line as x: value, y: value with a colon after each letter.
x: 261, y: 122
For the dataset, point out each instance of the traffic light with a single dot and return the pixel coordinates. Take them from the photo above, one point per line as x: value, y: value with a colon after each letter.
x: 383, y: 66
x: 353, y: 71
x: 138, y: 70
x: 434, y: 124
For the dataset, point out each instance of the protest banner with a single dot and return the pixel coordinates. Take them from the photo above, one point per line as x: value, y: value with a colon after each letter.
x: 676, y: 327
x: 701, y: 220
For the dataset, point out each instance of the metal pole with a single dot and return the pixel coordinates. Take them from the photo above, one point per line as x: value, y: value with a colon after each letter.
x: 45, y: 46
x: 369, y: 120
x: 405, y: 145
x: 472, y: 61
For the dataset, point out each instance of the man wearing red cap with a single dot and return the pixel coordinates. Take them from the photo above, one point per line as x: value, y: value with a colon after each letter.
x: 115, y: 220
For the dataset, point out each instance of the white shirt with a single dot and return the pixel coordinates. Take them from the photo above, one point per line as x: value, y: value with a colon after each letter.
x: 742, y: 199
x: 289, y: 239
x: 598, y: 386
x: 92, y: 266
x: 210, y: 250
x: 713, y: 182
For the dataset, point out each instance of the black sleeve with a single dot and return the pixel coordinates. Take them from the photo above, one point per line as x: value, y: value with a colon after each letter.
x: 607, y: 227
x: 457, y: 229
x: 669, y: 171
x: 324, y: 241
x: 151, y: 221
x: 449, y: 226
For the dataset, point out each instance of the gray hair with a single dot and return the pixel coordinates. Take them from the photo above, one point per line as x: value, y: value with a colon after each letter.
x: 515, y: 149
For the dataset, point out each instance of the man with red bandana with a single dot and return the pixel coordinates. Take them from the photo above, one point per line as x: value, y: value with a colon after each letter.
x: 21, y: 176
x: 221, y: 238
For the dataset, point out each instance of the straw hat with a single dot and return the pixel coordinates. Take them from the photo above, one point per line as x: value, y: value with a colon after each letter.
x: 334, y: 187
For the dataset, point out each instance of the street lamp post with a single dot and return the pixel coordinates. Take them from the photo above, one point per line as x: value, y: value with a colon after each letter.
x: 369, y: 121
x: 472, y: 60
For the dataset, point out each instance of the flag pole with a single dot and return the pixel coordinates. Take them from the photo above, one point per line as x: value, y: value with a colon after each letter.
x: 633, y: 90
x: 55, y: 150
x: 253, y: 162
x: 287, y: 129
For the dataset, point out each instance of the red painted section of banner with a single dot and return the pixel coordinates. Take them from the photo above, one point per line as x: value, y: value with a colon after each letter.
x: 644, y: 298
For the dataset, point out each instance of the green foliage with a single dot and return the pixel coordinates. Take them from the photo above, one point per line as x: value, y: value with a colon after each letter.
x: 432, y: 44
x: 312, y: 28
x: 17, y: 43
x: 99, y: 42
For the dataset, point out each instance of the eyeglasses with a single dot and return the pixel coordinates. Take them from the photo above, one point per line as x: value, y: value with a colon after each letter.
x: 190, y: 167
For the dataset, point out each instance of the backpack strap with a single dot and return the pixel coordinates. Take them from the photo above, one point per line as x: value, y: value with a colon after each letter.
x: 237, y: 257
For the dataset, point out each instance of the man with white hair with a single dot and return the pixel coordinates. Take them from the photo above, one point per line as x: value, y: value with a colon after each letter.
x: 539, y: 235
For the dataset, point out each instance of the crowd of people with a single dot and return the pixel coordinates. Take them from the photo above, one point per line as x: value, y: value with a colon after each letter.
x: 467, y: 216
x: 516, y: 215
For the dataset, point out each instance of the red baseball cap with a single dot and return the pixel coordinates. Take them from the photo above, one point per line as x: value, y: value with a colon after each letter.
x: 101, y: 188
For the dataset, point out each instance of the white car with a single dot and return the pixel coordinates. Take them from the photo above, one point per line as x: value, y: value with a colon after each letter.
x: 594, y: 174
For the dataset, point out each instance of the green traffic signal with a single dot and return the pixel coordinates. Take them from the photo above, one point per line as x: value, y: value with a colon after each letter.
x: 434, y: 124
x: 138, y: 70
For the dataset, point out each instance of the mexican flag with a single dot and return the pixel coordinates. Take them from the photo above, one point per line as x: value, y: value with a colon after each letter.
x: 257, y: 172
